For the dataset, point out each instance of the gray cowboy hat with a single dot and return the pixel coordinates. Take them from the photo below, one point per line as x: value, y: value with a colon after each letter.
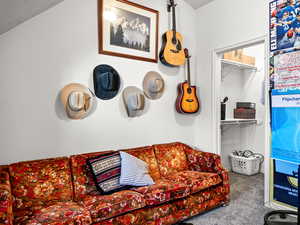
x: 134, y: 101
x: 153, y: 85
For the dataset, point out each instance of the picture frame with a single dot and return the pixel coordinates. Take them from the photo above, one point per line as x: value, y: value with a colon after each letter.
x: 128, y: 30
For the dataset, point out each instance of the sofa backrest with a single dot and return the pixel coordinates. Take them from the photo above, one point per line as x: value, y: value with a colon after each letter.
x: 37, y: 183
x: 41, y: 182
x: 146, y: 154
x: 171, y: 158
x: 82, y: 178
x: 201, y: 161
x: 6, y: 214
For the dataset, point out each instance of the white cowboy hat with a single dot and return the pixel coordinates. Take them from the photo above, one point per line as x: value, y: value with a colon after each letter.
x: 77, y: 100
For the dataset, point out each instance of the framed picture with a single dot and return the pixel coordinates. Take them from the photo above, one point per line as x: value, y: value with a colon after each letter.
x: 128, y: 30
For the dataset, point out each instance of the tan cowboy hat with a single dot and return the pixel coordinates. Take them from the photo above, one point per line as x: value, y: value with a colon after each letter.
x: 153, y: 85
x: 134, y: 101
x: 77, y: 100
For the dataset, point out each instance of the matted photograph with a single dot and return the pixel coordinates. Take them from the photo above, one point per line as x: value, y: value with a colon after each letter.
x: 128, y: 30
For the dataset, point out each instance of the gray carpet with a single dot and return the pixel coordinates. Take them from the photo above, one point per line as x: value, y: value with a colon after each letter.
x: 246, y: 206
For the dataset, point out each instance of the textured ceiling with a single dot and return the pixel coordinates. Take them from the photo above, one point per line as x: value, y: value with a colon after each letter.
x: 198, y: 3
x: 14, y: 12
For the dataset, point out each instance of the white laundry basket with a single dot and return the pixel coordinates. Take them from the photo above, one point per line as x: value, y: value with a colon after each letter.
x: 247, y: 166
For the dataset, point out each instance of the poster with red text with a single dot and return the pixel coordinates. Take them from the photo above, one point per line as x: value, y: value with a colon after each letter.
x: 287, y: 71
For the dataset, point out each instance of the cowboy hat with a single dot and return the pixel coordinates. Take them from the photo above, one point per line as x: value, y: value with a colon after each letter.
x: 106, y: 82
x: 153, y: 85
x: 77, y: 100
x: 134, y: 101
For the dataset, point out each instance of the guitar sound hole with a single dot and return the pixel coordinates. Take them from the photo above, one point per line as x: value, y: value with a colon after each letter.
x: 189, y: 90
x: 177, y: 43
x: 178, y: 46
x: 190, y: 100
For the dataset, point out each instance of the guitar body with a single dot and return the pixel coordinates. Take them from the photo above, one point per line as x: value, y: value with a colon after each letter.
x: 187, y: 100
x: 172, y: 54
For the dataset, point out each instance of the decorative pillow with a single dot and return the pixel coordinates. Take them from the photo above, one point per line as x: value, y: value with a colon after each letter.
x: 106, y: 170
x: 91, y: 185
x: 134, y: 172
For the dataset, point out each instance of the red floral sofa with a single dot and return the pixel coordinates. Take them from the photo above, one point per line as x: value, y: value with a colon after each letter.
x: 60, y: 191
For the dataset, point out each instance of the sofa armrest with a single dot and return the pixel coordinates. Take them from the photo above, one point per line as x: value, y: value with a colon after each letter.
x: 206, y: 162
x: 209, y: 162
x: 6, y: 214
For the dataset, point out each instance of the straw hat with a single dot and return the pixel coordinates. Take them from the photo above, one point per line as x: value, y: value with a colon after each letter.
x: 153, y: 85
x: 134, y: 101
x: 77, y: 100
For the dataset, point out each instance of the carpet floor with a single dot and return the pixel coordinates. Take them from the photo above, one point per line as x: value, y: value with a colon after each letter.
x: 246, y: 206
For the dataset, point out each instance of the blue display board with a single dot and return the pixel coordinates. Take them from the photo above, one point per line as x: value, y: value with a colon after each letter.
x: 286, y: 182
x: 286, y: 125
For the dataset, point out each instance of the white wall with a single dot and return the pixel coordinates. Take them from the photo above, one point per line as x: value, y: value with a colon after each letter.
x: 221, y: 24
x: 244, y: 86
x: 60, y: 46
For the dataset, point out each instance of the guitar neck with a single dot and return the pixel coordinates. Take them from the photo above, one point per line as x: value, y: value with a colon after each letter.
x: 174, y: 19
x: 189, y: 71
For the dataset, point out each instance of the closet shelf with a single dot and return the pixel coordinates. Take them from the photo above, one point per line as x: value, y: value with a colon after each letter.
x: 238, y: 64
x: 238, y: 121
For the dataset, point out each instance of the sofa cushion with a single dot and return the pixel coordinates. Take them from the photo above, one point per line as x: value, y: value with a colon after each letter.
x: 40, y: 183
x: 134, y: 171
x: 201, y: 197
x: 170, y: 213
x: 64, y: 213
x: 163, y: 191
x: 82, y: 178
x: 107, y: 206
x: 146, y: 154
x: 197, y: 181
x: 171, y: 158
x: 144, y: 216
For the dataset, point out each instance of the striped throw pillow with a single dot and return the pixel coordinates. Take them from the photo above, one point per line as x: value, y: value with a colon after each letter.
x: 134, y: 172
x: 106, y: 170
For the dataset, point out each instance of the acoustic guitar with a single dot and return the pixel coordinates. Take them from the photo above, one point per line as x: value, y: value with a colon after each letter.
x: 172, y: 53
x: 187, y: 100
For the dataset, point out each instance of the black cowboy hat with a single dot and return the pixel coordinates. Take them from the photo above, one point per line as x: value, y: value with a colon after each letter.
x: 106, y: 82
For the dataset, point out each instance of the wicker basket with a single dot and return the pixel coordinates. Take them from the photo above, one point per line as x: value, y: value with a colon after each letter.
x: 247, y: 166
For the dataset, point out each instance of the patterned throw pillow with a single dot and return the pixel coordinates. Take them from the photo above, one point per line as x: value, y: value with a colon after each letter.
x: 134, y: 172
x: 106, y: 170
x: 91, y: 185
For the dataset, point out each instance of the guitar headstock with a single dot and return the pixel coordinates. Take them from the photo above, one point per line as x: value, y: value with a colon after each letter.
x: 187, y: 54
x: 172, y: 3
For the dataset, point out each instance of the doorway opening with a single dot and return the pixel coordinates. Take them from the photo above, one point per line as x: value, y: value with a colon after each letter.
x: 240, y: 109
